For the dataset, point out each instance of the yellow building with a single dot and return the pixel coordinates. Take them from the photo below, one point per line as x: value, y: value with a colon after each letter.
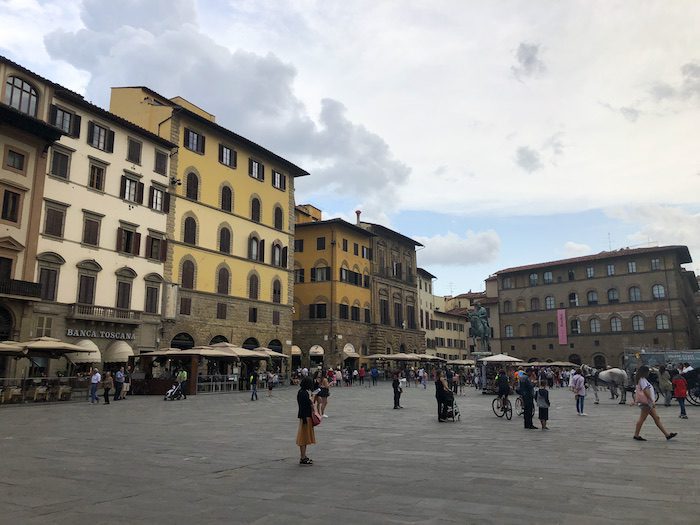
x: 332, y: 295
x: 230, y: 227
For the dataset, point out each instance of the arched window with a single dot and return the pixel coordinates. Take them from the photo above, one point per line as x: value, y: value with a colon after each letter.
x: 187, y: 275
x: 226, y: 199
x: 658, y: 292
x: 615, y: 324
x: 613, y: 296
x: 522, y: 330
x: 192, y: 189
x: 279, y: 221
x: 635, y: 294
x: 592, y: 297
x: 253, y: 245
x: 594, y: 325
x: 520, y: 305
x: 534, y: 304
x: 276, y: 255
x: 507, y: 307
x: 662, y: 322
x: 637, y: 323
x: 190, y: 236
x: 225, y: 240
x: 253, y: 287
x: 536, y: 330
x: 575, y: 358
x: 223, y: 280
x: 599, y: 361
x: 21, y: 96
x: 276, y: 291
x: 509, y: 330
x: 551, y: 329
x: 255, y: 210
x: 575, y: 326
x: 573, y: 299
x: 549, y: 303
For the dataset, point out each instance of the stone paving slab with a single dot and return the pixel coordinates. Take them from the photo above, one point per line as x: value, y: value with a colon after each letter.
x: 224, y: 459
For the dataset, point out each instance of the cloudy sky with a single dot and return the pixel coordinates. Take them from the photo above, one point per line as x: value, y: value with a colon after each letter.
x: 495, y: 133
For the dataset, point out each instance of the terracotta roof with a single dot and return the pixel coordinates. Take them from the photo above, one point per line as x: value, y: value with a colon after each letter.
x: 682, y: 251
x: 339, y: 222
x: 425, y: 272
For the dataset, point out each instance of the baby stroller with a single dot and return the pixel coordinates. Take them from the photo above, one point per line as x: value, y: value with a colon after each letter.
x: 452, y: 408
x: 174, y: 393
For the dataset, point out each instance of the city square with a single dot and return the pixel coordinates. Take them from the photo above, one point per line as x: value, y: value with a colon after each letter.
x: 222, y: 458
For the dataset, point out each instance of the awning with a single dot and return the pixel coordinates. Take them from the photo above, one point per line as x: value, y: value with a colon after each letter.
x: 239, y: 352
x: 271, y: 353
x: 118, y: 352
x: 462, y: 362
x: 316, y: 350
x: 500, y: 358
x: 296, y: 350
x: 93, y: 357
x: 11, y: 349
x: 197, y: 351
x: 350, y: 352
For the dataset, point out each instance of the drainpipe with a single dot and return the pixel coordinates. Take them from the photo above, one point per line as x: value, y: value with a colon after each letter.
x: 333, y: 285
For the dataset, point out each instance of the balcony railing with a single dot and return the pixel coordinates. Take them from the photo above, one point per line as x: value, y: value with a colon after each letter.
x: 105, y: 313
x: 21, y: 288
x: 387, y: 271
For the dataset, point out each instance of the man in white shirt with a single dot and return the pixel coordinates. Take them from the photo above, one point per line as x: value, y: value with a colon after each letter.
x: 95, y: 380
x: 686, y: 368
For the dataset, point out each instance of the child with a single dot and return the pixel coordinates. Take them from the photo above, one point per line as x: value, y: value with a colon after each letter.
x: 680, y: 391
x: 542, y: 398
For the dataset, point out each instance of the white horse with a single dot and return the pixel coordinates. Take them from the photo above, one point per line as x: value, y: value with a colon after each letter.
x: 612, y: 378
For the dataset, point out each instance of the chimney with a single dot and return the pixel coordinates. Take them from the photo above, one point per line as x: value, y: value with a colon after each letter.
x: 358, y: 213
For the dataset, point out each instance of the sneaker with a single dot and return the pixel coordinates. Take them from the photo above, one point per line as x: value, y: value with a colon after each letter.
x: 583, y: 414
x: 324, y: 415
x: 683, y: 416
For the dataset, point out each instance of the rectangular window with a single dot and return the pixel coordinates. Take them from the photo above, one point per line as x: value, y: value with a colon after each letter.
x: 299, y: 275
x: 100, y: 137
x: 11, y: 202
x: 656, y: 264
x: 156, y: 248
x: 194, y: 141
x: 157, y: 199
x: 252, y: 315
x: 384, y: 311
x: 365, y: 281
x: 221, y: 310
x: 96, y: 179
x: 275, y: 317
x: 48, y: 278
x: 411, y: 317
x: 161, y: 165
x: 185, y: 305
x: 343, y: 311
x: 65, y: 120
x: 128, y: 241
x: 14, y: 160
x: 299, y: 245
x: 124, y: 295
x: 131, y: 189
x: 256, y: 169
x: 320, y: 243
x: 345, y: 245
x: 365, y: 252
x: 133, y: 153
x: 317, y: 311
x: 368, y: 315
x: 54, y: 219
x: 60, y: 163
x: 356, y: 249
x: 547, y: 277
x: 590, y: 272
x: 355, y: 313
x: 44, y: 324
x: 507, y: 283
x: 632, y: 267
x: 611, y: 269
x: 91, y: 230
x: 279, y: 180
x: 320, y: 274
x: 151, y: 306
x: 86, y: 289
x: 227, y: 156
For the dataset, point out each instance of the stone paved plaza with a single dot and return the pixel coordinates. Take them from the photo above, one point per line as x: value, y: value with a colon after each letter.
x: 223, y: 459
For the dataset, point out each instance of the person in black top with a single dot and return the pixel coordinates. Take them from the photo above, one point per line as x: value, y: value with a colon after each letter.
x: 305, y: 434
x: 527, y: 390
x: 441, y: 396
x: 254, y: 385
x: 397, y: 391
x: 503, y: 386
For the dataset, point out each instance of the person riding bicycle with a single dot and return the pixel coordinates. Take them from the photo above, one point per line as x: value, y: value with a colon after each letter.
x: 502, y: 386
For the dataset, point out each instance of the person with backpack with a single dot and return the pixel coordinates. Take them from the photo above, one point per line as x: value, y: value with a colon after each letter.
x: 680, y: 391
x: 644, y: 397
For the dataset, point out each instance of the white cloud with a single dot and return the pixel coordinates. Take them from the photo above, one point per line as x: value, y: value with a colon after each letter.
x: 528, y: 159
x: 576, y: 249
x: 451, y: 249
x: 529, y: 63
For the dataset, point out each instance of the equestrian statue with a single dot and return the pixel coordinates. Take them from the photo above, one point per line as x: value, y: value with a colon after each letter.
x: 480, y: 328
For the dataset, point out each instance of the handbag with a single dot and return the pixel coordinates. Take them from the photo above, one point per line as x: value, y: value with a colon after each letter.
x: 316, y: 418
x: 640, y: 397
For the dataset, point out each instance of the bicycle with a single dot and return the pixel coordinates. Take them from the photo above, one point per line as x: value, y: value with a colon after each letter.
x: 502, y: 407
x: 519, y: 406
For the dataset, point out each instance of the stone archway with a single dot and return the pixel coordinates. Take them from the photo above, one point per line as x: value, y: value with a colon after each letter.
x: 575, y: 358
x: 251, y: 343
x: 599, y: 361
x: 182, y: 341
x: 6, y: 324
x: 218, y: 339
x: 275, y: 345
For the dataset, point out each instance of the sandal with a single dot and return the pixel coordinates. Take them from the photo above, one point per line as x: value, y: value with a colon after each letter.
x: 306, y: 461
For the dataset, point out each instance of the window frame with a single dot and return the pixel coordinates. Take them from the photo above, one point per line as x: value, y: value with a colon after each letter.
x: 137, y: 150
x: 18, y: 206
x: 194, y: 141
x: 64, y: 152
x: 232, y: 156
x: 279, y: 180
x: 59, y: 208
x: 12, y: 149
x: 31, y: 94
x: 98, y: 165
x: 96, y: 218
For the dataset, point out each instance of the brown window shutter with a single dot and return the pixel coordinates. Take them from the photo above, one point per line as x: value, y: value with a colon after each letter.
x: 221, y: 152
x: 250, y: 166
x: 109, y: 146
x: 150, y: 197
x: 284, y: 182
x: 284, y: 257
x: 234, y: 158
x: 122, y: 188
x: 136, y: 248
x: 163, y: 250
x: 91, y: 132
x: 120, y: 238
x: 261, y: 251
x: 187, y: 137
x: 201, y: 144
x: 261, y: 171
x: 166, y: 202
x: 139, y: 192
x: 75, y: 132
x: 53, y: 112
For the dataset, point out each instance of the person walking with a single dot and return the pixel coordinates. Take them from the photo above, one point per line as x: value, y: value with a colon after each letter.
x: 375, y: 374
x: 578, y: 387
x: 680, y: 391
x: 253, y: 379
x: 95, y: 380
x: 127, y: 383
x: 644, y: 397
x: 396, y: 385
x: 118, y: 384
x: 107, y: 384
x: 270, y: 383
x: 441, y: 396
x: 305, y: 433
x: 362, y: 375
x: 665, y: 385
x: 182, y: 380
x: 527, y: 390
x: 338, y: 377
x: 542, y: 398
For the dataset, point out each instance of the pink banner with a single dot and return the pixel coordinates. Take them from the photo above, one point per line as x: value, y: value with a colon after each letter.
x: 561, y: 326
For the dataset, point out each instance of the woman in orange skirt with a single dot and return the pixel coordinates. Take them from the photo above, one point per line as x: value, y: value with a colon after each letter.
x: 305, y: 434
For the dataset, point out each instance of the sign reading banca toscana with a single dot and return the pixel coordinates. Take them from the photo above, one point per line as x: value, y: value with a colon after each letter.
x: 100, y: 334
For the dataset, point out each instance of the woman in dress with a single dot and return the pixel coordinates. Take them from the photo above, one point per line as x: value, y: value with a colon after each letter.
x: 322, y: 396
x: 305, y: 434
x: 644, y: 397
